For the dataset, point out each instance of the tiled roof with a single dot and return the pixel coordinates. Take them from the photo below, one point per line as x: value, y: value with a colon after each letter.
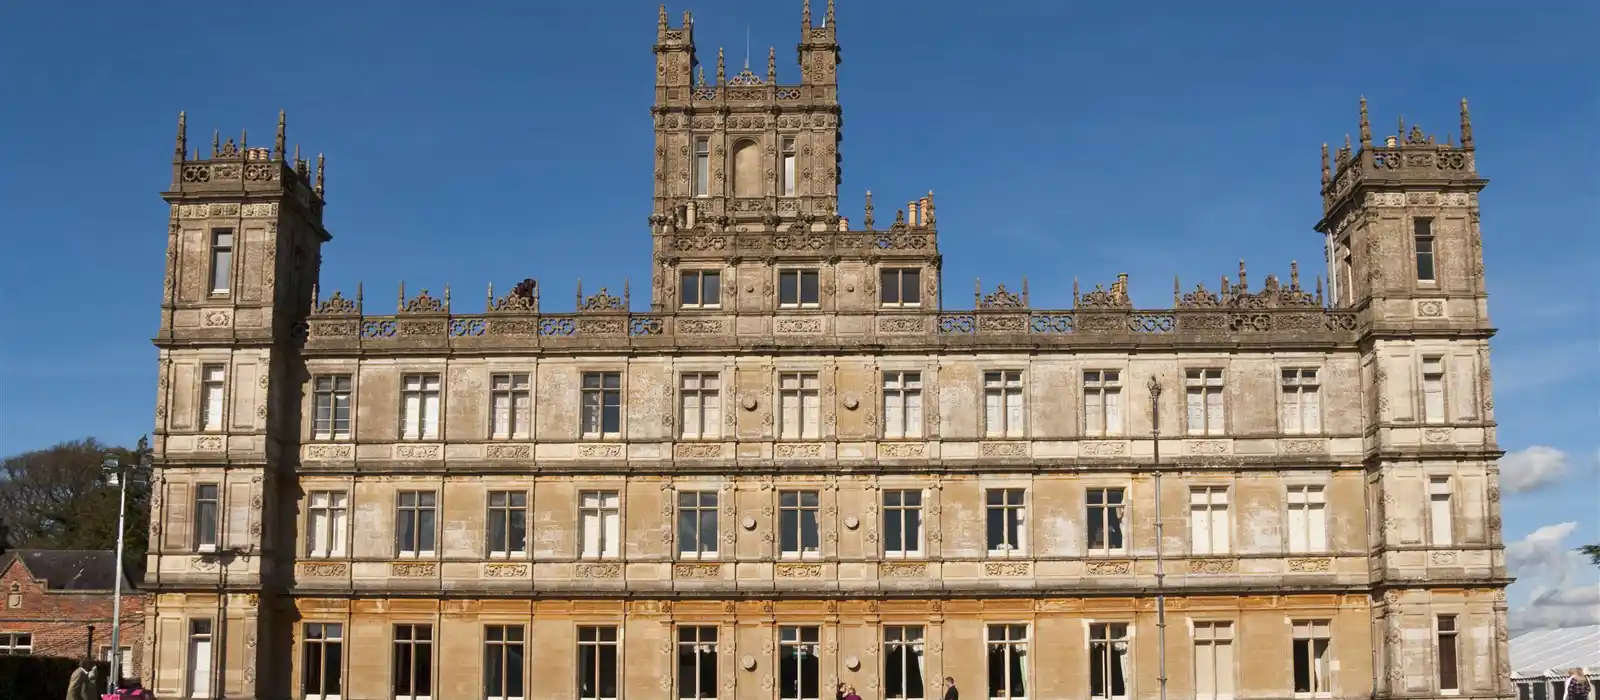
x: 69, y: 570
x: 1552, y: 652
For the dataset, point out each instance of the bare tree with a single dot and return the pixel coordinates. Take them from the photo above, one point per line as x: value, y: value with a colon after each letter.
x: 58, y: 498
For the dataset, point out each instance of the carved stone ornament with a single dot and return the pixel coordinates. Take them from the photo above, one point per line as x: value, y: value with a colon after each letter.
x: 603, y: 301
x: 749, y: 402
x: 422, y: 303
x: 1101, y: 298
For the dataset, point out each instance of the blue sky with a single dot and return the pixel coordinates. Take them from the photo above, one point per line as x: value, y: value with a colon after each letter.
x: 488, y: 142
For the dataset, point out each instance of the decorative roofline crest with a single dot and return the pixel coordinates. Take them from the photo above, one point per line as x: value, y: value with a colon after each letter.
x: 1101, y: 298
x: 336, y: 304
x: 1000, y: 298
x: 1238, y: 296
x: 603, y: 301
x: 522, y: 298
x: 423, y: 303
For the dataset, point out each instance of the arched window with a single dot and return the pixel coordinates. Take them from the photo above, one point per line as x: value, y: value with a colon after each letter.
x: 747, y: 170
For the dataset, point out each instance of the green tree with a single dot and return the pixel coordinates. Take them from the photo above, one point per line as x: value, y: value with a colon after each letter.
x: 58, y: 498
x: 1592, y: 551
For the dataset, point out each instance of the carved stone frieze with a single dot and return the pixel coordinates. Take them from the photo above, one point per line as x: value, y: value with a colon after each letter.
x: 521, y: 452
x: 1004, y: 449
x: 600, y: 451
x: 902, y: 570
x: 1309, y: 565
x: 1103, y: 448
x: 413, y: 569
x: 1211, y: 566
x: 418, y: 452
x: 1007, y: 568
x: 505, y: 570
x: 329, y: 453
x: 798, y: 570
x: 607, y: 570
x: 697, y: 571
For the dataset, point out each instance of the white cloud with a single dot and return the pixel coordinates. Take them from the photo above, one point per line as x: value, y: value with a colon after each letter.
x: 1546, y: 562
x: 1532, y: 468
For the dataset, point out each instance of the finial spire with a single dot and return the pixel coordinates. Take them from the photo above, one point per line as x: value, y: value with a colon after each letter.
x: 661, y: 21
x: 1366, y: 127
x: 1466, y: 125
x: 721, y: 72
x: 688, y: 19
x: 1243, y: 284
x: 805, y: 16
x: 216, y: 142
x: 183, y: 135
x: 319, y: 174
x: 244, y: 141
x: 278, y: 141
x: 1327, y: 174
x: 1402, y: 127
x: 1177, y: 291
x: 828, y: 20
x: 701, y: 77
x: 772, y: 64
x: 747, y: 47
x: 1294, y: 274
x: 867, y: 219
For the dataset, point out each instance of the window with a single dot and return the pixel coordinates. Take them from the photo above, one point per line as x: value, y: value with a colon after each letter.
x: 900, y: 286
x: 124, y: 660
x: 420, y: 405
x: 1002, y: 401
x: 502, y: 662
x: 1433, y: 389
x: 1208, y: 520
x: 211, y: 394
x: 1102, y: 403
x: 797, y: 523
x: 1441, y: 520
x: 221, y: 260
x: 700, y: 403
x: 697, y: 524
x: 701, y: 289
x: 697, y: 663
x: 1008, y: 661
x: 413, y: 662
x: 508, y: 523
x: 798, y: 666
x: 1422, y: 234
x: 322, y: 668
x: 1449, y: 661
x: 1108, y: 660
x: 1213, y: 660
x: 511, y: 397
x: 799, y: 406
x: 597, y: 663
x: 331, y: 403
x: 16, y: 643
x: 902, y: 523
x: 326, y: 524
x: 1301, y: 407
x: 702, y: 167
x: 903, y: 663
x: 414, y: 524
x: 902, y: 404
x: 200, y: 657
x: 788, y: 168
x: 1308, y: 520
x: 797, y: 289
x: 1106, y: 510
x: 602, y: 405
x: 14, y: 597
x: 206, y: 509
x: 601, y: 522
x: 1205, y: 401
x: 1311, y: 658
x: 1006, y: 515
x: 749, y: 171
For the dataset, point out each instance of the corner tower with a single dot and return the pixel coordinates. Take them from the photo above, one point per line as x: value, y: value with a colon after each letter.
x: 243, y: 254
x: 739, y: 148
x: 1406, y: 252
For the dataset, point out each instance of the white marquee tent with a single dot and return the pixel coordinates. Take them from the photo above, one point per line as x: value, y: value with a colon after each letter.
x: 1540, y: 660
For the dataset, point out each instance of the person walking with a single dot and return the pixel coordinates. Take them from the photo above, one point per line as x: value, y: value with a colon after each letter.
x: 82, y: 684
x: 950, y: 692
x: 1577, y: 686
x: 850, y: 693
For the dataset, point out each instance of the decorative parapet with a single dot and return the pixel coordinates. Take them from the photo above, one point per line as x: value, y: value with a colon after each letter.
x: 1407, y: 155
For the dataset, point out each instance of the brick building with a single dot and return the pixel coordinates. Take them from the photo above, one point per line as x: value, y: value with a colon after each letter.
x: 52, y: 597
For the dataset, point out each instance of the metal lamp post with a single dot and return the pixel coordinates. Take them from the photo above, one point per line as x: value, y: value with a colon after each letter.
x: 1161, y: 574
x: 119, y: 474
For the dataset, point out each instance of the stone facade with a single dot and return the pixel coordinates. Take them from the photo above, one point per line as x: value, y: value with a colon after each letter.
x: 799, y: 468
x: 54, y: 598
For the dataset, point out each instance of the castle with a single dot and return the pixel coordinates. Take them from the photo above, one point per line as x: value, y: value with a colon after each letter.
x: 799, y: 468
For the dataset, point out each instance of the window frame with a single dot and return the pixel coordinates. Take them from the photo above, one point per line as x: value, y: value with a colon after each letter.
x: 419, y: 534
x: 1007, y: 550
x: 1440, y: 635
x: 801, y: 392
x: 788, y: 168
x: 1311, y: 632
x: 511, y: 386
x: 9, y: 644
x: 332, y: 394
x: 1441, y: 374
x: 1314, y: 499
x: 337, y: 533
x: 800, y: 510
x: 413, y: 642
x: 213, y: 391
x: 501, y: 648
x: 507, y: 514
x: 1422, y: 236
x: 701, y: 184
x: 1003, y: 387
x: 700, y: 275
x: 700, y: 393
x: 1209, y: 504
x: 1299, y: 382
x: 422, y: 392
x: 1011, y: 647
x: 900, y: 287
x: 215, y: 251
x: 700, y: 508
x: 1103, y: 383
x: 1106, y: 510
x: 799, y: 274
x: 1222, y: 634
x: 1116, y: 632
x: 608, y: 505
x: 794, y: 647
x: 902, y: 511
x: 599, y: 643
x: 194, y: 637
x: 904, y: 386
x: 597, y: 408
x: 910, y: 640
x: 1204, y: 385
x: 321, y: 645
x: 691, y: 639
x: 1442, y: 486
x: 199, y: 526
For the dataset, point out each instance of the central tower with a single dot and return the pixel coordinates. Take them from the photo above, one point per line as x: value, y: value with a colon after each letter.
x: 741, y: 151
